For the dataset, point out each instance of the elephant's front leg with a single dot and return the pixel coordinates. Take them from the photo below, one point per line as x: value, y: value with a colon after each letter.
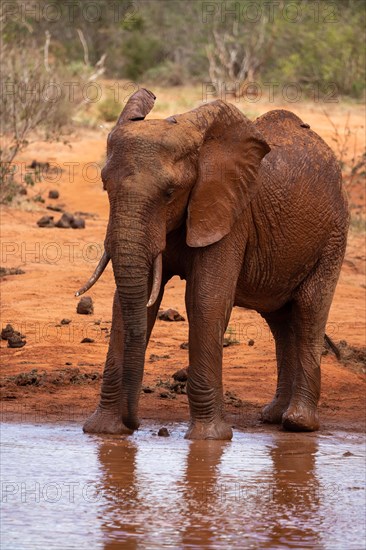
x: 108, y: 418
x: 209, y: 305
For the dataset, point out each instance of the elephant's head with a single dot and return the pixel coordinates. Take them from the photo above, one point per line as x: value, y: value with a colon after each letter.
x: 198, y: 169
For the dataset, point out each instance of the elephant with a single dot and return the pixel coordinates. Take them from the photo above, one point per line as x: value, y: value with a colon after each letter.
x: 249, y: 214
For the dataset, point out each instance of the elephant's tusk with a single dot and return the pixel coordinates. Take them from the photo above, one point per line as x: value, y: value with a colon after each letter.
x: 97, y: 273
x: 157, y: 275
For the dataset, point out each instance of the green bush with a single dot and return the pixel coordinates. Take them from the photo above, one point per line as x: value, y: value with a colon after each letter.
x: 109, y: 109
x: 166, y: 74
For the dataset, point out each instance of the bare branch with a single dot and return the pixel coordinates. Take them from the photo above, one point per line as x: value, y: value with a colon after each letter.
x: 85, y: 46
x: 45, y: 49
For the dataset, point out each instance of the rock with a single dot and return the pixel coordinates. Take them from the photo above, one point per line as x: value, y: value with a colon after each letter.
x: 4, y: 271
x: 87, y: 341
x: 39, y: 165
x: 7, y: 332
x: 23, y: 191
x: 16, y: 341
x: 251, y: 342
x: 65, y: 221
x: 65, y: 321
x: 164, y: 395
x: 348, y: 453
x: 54, y: 208
x: 163, y: 432
x: 178, y: 387
x: 46, y: 221
x: 147, y: 389
x: 85, y: 306
x: 53, y: 194
x: 78, y: 223
x: 97, y: 322
x: 184, y: 345
x: 68, y: 363
x: 170, y: 315
x: 181, y: 375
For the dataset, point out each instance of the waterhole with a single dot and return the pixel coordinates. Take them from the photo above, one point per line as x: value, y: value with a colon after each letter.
x: 63, y: 489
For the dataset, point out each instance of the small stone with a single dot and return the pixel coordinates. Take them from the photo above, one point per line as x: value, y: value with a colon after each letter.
x: 16, y: 341
x: 87, y: 341
x: 65, y: 321
x: 46, y: 221
x: 163, y: 432
x: 4, y: 271
x: 181, y: 375
x: 97, y: 322
x: 184, y: 345
x: 251, y: 342
x: 164, y: 395
x: 348, y: 453
x: 68, y: 363
x: 77, y: 223
x: 23, y: 191
x: 65, y: 221
x: 170, y: 315
x: 85, y: 306
x: 7, y: 332
x: 55, y: 208
x: 53, y: 194
x: 147, y: 389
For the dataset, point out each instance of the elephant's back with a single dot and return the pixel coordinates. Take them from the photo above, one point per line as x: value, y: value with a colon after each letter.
x: 294, y: 145
x: 299, y: 161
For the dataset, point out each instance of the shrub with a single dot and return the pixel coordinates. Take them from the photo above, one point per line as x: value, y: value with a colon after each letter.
x: 109, y: 109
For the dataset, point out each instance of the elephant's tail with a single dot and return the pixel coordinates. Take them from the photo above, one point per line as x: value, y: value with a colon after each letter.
x: 331, y: 345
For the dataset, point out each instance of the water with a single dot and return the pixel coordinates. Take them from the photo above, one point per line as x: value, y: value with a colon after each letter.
x: 63, y: 489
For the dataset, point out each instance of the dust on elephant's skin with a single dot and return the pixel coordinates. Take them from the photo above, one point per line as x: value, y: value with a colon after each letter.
x: 250, y: 214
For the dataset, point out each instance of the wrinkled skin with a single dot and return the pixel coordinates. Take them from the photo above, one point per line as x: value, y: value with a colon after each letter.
x: 250, y: 215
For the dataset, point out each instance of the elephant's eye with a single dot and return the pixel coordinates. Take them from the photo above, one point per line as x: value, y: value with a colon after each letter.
x: 169, y: 192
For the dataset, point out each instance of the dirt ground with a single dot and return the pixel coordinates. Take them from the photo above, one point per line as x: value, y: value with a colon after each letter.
x: 56, y: 377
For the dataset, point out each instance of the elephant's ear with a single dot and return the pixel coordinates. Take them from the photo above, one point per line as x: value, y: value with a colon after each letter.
x: 228, y: 163
x: 138, y: 106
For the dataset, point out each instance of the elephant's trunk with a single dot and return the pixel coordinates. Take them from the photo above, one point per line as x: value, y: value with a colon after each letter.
x: 132, y: 258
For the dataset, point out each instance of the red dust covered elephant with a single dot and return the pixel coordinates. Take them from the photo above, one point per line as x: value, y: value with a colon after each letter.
x: 250, y: 214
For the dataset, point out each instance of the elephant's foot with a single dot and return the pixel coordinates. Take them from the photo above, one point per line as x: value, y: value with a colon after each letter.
x: 301, y: 418
x: 105, y: 422
x: 272, y: 413
x: 214, y: 430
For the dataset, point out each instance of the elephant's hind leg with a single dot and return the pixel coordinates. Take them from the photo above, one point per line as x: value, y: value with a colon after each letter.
x: 281, y: 325
x: 311, y: 307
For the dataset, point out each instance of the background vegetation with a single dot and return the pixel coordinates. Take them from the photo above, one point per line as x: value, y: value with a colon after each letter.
x: 177, y: 41
x: 53, y: 51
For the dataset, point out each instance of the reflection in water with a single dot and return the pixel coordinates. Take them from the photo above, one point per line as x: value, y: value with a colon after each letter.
x: 262, y: 490
x: 201, y: 493
x: 294, y: 494
x: 120, y: 492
